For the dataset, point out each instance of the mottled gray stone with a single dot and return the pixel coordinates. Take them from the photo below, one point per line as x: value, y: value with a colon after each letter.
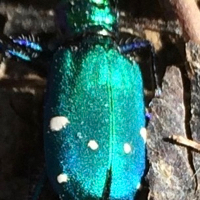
x: 193, y: 58
x: 170, y: 175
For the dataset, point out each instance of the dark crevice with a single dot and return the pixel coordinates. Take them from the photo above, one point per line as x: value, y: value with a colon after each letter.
x: 106, y: 192
x: 187, y: 105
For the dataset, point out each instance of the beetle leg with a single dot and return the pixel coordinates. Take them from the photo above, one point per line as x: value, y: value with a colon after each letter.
x: 137, y: 45
x: 20, y: 47
x: 39, y: 186
x: 29, y: 49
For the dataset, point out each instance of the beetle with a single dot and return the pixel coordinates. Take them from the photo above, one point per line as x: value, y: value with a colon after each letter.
x: 94, y: 119
x: 94, y: 114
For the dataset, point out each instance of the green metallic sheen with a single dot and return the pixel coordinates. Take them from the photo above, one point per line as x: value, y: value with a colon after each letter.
x: 88, y: 16
x: 100, y: 91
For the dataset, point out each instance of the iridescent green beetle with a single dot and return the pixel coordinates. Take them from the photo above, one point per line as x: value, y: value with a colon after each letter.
x: 94, y: 128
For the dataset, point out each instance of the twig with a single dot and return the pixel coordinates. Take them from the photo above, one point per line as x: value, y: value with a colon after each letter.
x: 186, y: 142
x: 188, y: 14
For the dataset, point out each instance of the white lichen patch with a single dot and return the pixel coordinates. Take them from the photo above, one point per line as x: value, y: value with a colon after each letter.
x: 59, y: 122
x: 143, y: 133
x: 62, y: 178
x: 93, y: 144
x: 127, y: 148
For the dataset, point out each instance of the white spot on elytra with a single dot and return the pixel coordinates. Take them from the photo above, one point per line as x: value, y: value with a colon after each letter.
x: 93, y: 144
x: 127, y: 148
x: 58, y: 122
x: 143, y: 133
x: 79, y: 135
x: 62, y: 178
x: 138, y: 186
